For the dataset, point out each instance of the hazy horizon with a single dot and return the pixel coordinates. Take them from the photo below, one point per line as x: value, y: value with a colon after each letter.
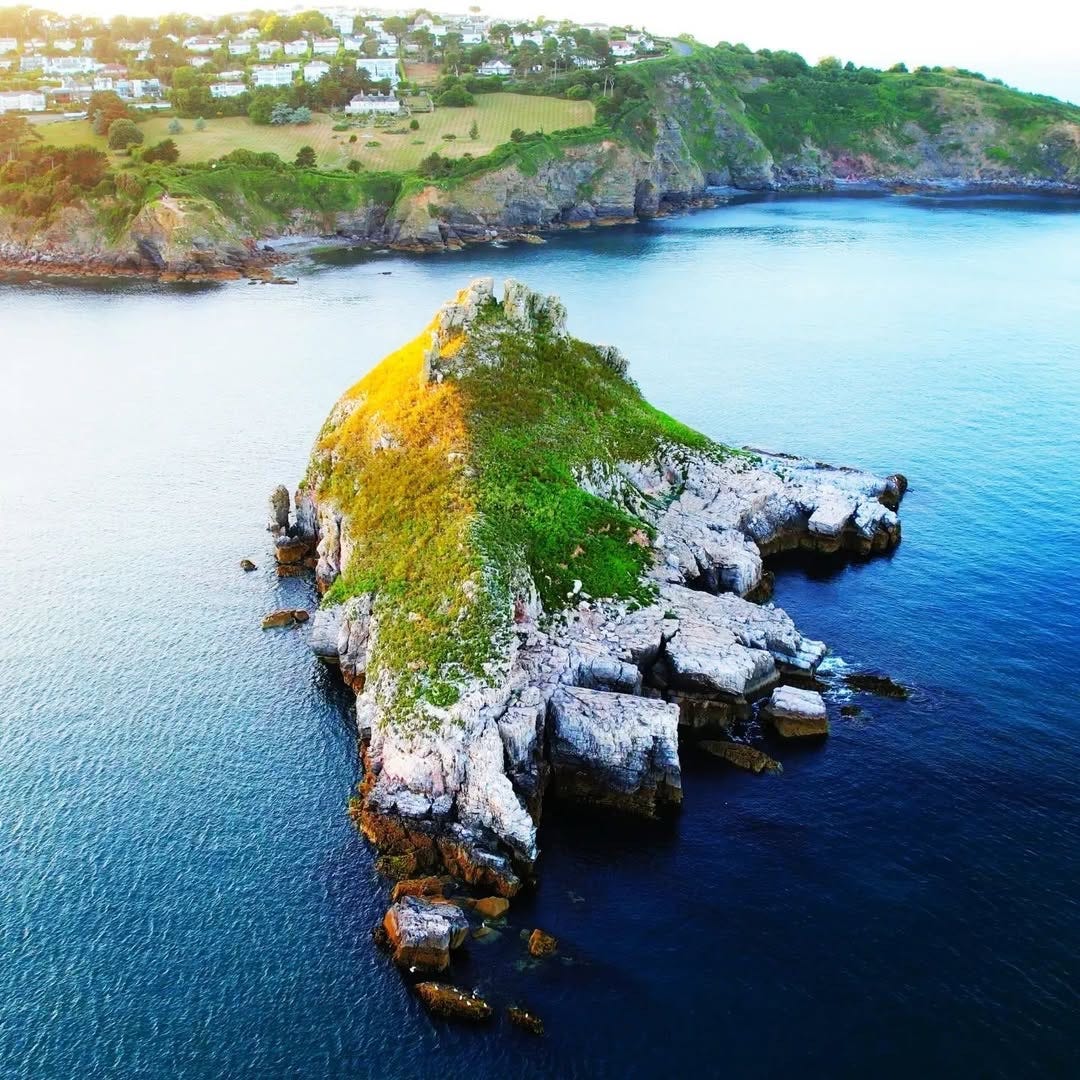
x: 1040, y: 55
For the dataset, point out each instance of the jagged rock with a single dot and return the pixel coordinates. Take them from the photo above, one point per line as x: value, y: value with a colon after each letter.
x: 445, y: 1000
x: 615, y: 750
x: 526, y: 1020
x: 542, y: 944
x: 422, y: 932
x: 794, y: 712
x: 881, y: 685
x: 247, y: 566
x: 300, y: 615
x: 280, y: 502
x: 290, y: 550
x: 745, y: 757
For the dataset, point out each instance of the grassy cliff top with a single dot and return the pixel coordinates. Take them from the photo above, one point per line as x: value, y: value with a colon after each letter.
x: 458, y: 464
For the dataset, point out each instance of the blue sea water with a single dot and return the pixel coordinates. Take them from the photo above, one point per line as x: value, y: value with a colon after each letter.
x: 181, y: 893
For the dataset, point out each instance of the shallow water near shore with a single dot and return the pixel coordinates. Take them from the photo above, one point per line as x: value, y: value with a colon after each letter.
x: 181, y: 892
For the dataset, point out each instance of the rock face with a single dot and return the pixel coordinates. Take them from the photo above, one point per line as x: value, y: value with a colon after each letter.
x: 586, y: 703
x: 422, y: 932
x: 795, y: 713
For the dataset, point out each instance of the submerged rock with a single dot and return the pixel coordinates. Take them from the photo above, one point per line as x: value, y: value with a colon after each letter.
x: 795, y: 713
x: 445, y: 1000
x: 526, y: 1020
x: 247, y: 566
x: 285, y: 617
x: 881, y: 685
x: 422, y: 932
x: 745, y: 757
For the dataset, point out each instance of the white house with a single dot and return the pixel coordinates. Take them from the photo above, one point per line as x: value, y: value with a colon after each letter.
x: 299, y: 47
x: 325, y: 46
x: 133, y: 46
x: 199, y: 61
x: 70, y: 65
x: 343, y: 24
x: 231, y: 76
x: 104, y: 82
x: 239, y: 47
x: 8, y: 45
x: 472, y: 37
x: 144, y: 88
x: 22, y: 101
x: 535, y: 37
x: 227, y: 89
x: 622, y: 49
x: 201, y: 44
x: 31, y: 63
x: 497, y: 66
x: 379, y: 68
x: 373, y: 103
x: 314, y: 70
x: 273, y: 76
x: 352, y: 44
x: 65, y: 44
x: 250, y: 34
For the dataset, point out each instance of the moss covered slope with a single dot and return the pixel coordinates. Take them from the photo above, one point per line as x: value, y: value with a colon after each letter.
x: 476, y: 472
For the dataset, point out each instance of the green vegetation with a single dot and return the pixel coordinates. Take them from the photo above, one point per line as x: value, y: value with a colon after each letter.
x: 461, y: 492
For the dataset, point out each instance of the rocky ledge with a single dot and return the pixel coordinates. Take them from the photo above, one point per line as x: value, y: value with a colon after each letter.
x: 575, y: 695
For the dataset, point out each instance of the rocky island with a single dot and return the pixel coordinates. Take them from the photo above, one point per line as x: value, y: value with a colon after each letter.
x: 538, y: 585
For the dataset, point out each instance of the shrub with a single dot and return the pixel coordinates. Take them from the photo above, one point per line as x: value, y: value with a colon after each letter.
x: 352, y: 138
x: 414, y: 124
x: 340, y: 127
x: 354, y: 166
x: 175, y: 127
x: 517, y: 135
x: 165, y: 151
x: 373, y: 144
x: 123, y: 134
x: 200, y: 124
x: 305, y: 157
x: 302, y: 115
x: 577, y: 93
x: 457, y: 97
x: 474, y: 131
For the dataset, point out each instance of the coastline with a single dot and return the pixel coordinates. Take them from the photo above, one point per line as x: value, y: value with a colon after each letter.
x: 280, y: 250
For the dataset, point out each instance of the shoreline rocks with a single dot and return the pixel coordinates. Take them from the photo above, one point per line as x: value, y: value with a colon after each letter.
x: 448, y: 1001
x: 422, y: 932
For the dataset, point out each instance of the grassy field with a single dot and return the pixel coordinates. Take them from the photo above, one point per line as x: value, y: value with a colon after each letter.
x: 496, y: 115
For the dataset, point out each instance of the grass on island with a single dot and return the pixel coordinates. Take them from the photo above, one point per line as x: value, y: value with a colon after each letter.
x: 495, y: 116
x: 458, y: 493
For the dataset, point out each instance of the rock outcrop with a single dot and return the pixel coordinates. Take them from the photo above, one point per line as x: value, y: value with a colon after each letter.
x: 422, y: 931
x: 577, y: 696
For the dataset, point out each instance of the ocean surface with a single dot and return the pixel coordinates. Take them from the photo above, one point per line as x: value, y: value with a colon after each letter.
x: 181, y: 892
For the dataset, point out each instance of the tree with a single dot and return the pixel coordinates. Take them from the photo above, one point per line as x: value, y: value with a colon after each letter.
x: 14, y: 131
x: 281, y: 113
x: 123, y: 133
x: 456, y: 97
x: 414, y: 124
x: 200, y: 124
x: 517, y: 135
x: 104, y: 107
x: 166, y: 151
x: 305, y: 158
x: 175, y: 127
x: 354, y: 166
x: 301, y: 115
x: 474, y: 131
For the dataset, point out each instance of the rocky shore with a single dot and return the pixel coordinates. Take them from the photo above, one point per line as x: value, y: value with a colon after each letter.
x: 588, y: 703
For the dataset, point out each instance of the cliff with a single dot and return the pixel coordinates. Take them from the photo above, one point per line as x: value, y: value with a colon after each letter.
x: 671, y: 134
x: 536, y: 582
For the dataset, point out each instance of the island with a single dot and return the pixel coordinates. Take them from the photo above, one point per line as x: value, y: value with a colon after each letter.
x: 537, y: 584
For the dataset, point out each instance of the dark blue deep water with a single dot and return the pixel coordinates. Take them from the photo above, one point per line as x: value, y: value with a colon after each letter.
x: 181, y: 893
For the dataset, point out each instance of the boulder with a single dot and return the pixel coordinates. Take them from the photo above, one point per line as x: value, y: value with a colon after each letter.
x: 796, y: 713
x: 526, y: 1020
x: 491, y: 907
x: 542, y: 944
x: 247, y: 566
x: 290, y: 550
x: 422, y: 932
x: 615, y: 750
x: 285, y: 617
x: 745, y: 757
x: 445, y: 1000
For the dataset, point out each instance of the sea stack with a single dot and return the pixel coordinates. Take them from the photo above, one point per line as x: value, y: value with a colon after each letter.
x: 536, y: 582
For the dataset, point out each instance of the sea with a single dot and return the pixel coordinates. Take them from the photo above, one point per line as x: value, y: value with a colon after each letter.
x: 182, y: 893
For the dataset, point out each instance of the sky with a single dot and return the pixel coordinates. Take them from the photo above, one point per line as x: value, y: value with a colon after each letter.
x: 1035, y: 48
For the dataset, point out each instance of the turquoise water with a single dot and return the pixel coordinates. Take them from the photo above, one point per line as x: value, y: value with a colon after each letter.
x: 181, y: 893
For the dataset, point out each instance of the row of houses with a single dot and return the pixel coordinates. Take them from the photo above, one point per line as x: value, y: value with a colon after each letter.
x: 22, y: 101
x: 230, y: 83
